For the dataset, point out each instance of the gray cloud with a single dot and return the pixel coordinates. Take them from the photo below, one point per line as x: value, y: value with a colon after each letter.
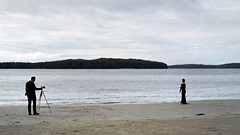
x: 190, y: 31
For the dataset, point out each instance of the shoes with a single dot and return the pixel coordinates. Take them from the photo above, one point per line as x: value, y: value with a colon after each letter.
x: 36, y: 113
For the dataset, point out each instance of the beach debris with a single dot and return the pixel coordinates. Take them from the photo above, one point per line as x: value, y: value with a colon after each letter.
x: 76, y: 131
x: 199, y: 114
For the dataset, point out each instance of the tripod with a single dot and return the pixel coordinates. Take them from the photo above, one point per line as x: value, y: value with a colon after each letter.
x: 39, y: 101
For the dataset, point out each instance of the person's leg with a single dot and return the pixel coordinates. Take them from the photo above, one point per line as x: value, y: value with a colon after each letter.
x: 29, y: 105
x: 184, y: 98
x: 34, y: 106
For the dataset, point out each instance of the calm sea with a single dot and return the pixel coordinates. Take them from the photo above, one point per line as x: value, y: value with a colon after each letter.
x: 119, y: 86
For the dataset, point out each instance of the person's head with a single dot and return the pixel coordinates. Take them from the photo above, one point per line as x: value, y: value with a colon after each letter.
x: 33, y: 78
x: 183, y: 80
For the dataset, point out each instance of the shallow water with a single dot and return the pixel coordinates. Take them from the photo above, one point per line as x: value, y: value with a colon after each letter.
x: 104, y: 86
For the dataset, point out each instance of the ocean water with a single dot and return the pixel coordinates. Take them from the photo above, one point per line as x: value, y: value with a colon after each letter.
x: 119, y: 86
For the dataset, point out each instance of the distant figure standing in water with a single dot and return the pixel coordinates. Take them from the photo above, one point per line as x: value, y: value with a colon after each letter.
x: 183, y: 90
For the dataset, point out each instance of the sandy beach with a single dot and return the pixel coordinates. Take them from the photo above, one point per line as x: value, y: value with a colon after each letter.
x: 198, y: 117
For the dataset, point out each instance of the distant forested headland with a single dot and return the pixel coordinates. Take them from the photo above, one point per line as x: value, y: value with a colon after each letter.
x: 192, y: 66
x: 102, y: 63
x: 108, y: 63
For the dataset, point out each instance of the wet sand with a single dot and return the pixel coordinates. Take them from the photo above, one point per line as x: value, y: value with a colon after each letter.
x: 199, y: 117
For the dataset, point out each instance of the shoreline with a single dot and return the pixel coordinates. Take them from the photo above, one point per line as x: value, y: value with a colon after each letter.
x: 198, y: 117
x: 117, y: 103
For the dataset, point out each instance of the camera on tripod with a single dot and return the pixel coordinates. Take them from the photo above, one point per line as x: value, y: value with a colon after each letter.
x: 43, y: 87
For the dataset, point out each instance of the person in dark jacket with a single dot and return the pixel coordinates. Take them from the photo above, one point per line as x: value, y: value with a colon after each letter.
x: 31, y: 95
x: 183, y: 90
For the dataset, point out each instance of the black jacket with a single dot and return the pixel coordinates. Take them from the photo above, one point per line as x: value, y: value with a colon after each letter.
x: 183, y: 87
x: 30, y: 88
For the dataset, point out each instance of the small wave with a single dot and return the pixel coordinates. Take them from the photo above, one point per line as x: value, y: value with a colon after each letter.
x: 111, y: 102
x: 92, y: 98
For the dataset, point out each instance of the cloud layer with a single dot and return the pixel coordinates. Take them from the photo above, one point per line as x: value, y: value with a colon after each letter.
x: 190, y: 31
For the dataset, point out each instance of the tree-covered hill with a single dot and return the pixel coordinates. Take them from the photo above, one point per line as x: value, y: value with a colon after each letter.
x: 102, y: 63
x: 191, y: 66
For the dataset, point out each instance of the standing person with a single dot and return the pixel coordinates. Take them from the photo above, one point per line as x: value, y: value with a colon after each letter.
x: 30, y: 93
x: 183, y: 90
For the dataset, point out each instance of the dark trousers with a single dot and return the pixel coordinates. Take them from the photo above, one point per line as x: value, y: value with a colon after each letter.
x: 183, y: 101
x: 30, y: 99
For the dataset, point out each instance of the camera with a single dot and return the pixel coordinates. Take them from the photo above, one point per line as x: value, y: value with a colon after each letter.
x: 43, y: 87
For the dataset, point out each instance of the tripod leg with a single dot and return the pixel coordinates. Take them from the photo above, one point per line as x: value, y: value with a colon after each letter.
x: 47, y: 102
x: 39, y: 101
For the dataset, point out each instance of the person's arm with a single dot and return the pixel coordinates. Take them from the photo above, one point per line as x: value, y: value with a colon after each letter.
x: 26, y: 89
x: 180, y: 89
x: 36, y: 87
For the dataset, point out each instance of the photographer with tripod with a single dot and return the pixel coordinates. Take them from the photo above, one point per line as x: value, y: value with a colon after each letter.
x: 31, y: 95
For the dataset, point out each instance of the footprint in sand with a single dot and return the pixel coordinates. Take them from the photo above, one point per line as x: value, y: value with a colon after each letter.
x: 123, y: 133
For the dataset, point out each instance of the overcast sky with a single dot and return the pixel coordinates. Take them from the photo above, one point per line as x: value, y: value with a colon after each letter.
x: 170, y: 31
